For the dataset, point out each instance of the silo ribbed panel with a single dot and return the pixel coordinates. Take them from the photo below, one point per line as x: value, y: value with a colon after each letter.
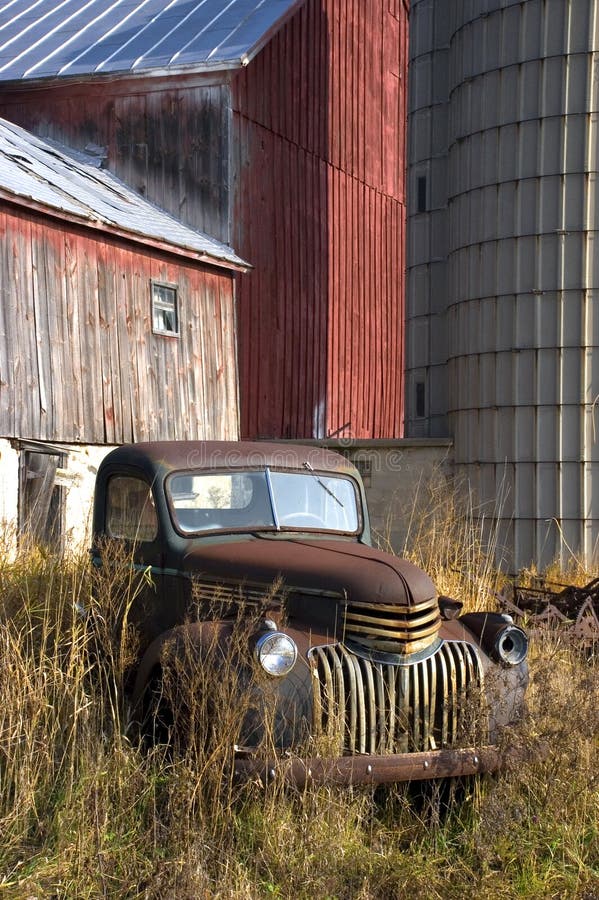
x: 515, y: 338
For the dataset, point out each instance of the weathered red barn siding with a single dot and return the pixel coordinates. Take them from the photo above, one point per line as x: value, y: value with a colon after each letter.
x: 78, y: 359
x: 319, y: 153
x: 165, y: 137
x: 306, y: 183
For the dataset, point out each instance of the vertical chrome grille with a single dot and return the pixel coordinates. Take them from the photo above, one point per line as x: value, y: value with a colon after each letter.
x: 363, y: 706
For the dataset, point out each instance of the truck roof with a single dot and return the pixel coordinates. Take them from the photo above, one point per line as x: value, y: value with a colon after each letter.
x: 178, y: 455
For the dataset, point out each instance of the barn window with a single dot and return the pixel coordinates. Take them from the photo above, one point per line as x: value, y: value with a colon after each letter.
x: 165, y: 313
x: 41, y: 497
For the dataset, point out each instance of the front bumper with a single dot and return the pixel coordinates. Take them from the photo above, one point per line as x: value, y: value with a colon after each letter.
x: 367, y: 769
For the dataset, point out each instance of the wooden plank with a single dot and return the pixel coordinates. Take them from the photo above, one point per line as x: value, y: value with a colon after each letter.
x: 141, y: 368
x: 128, y: 347
x: 279, y: 288
x: 294, y: 384
x: 323, y: 273
x: 386, y: 413
x: 204, y: 347
x: 40, y: 287
x: 339, y: 286
x: 8, y: 328
x: 316, y: 287
x: 392, y: 125
x: 360, y: 38
x: 122, y: 351
x: 26, y: 374
x: 357, y: 337
x: 72, y: 317
x: 381, y: 304
x: 113, y: 314
x: 108, y: 343
x: 89, y: 336
x: 371, y: 311
x: 332, y: 300
x: 192, y: 337
x: 169, y: 385
x: 304, y: 76
x: 306, y: 292
x: 191, y: 361
x: 208, y: 345
x: 61, y: 357
x: 400, y: 211
x: 218, y: 339
x: 333, y: 117
x: 151, y: 393
x: 291, y: 303
x: 230, y: 429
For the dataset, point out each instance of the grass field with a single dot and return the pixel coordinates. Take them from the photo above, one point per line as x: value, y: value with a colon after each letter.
x: 85, y: 812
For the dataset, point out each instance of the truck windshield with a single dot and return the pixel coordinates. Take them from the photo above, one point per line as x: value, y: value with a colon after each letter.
x: 263, y: 500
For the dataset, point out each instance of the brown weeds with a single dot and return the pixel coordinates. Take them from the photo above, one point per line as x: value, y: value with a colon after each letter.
x: 89, y: 810
x: 446, y: 533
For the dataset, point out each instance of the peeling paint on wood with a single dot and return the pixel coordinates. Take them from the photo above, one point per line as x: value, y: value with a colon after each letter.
x: 84, y: 342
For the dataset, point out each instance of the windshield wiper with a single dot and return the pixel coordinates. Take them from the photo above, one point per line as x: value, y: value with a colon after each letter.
x: 310, y: 468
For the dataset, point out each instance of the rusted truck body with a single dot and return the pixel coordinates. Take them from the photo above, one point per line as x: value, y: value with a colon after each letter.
x: 372, y: 676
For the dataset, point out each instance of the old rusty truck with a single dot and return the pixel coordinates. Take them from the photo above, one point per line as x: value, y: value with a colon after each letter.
x: 368, y: 674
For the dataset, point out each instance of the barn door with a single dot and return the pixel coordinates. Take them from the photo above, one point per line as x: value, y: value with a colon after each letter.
x: 41, y: 499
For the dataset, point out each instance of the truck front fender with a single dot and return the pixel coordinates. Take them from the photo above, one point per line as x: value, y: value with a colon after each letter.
x: 227, y: 684
x: 188, y: 640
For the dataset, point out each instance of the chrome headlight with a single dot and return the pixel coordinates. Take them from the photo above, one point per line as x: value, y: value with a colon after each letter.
x: 511, y: 645
x: 503, y: 641
x: 276, y: 652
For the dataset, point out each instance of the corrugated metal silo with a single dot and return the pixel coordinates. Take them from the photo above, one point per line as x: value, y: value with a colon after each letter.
x: 504, y: 279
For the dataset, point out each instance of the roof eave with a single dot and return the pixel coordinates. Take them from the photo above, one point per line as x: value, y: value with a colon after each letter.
x: 270, y: 33
x: 119, y: 232
x: 26, y: 83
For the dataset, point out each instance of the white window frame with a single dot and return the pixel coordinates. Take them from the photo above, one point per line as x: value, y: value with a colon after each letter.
x: 160, y: 306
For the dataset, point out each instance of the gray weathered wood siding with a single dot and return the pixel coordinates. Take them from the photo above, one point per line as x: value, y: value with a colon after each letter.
x: 78, y: 359
x: 168, y: 140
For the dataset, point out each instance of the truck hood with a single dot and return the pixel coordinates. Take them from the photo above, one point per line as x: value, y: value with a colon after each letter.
x: 357, y: 571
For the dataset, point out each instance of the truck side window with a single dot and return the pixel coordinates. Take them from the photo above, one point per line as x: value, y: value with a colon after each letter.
x: 130, y: 510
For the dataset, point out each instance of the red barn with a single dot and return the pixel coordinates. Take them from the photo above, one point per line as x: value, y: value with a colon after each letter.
x: 117, y: 323
x: 276, y: 126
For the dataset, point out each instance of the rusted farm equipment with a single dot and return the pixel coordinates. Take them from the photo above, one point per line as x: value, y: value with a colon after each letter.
x: 568, y: 608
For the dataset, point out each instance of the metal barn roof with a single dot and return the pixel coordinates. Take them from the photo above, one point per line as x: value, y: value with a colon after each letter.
x: 43, y: 173
x: 61, y: 38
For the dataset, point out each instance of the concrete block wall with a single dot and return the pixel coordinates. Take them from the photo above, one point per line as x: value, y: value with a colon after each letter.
x: 397, y: 475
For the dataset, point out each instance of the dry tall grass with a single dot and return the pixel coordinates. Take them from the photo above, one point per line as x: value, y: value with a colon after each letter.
x: 449, y: 535
x: 87, y: 812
